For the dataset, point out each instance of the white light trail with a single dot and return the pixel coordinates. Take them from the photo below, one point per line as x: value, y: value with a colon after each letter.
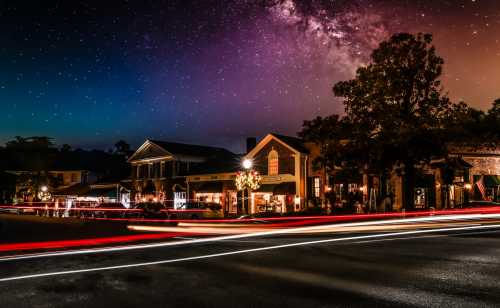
x: 236, y: 252
x: 248, y: 235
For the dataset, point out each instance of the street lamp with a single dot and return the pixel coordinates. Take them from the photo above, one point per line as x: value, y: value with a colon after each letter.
x: 247, y: 164
x: 468, y: 188
x: 247, y: 179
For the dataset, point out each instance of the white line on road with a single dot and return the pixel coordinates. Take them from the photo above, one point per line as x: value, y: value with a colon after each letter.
x: 424, y: 236
x: 95, y: 269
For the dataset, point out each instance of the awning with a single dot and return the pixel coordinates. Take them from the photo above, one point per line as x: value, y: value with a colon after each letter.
x: 488, y: 180
x: 285, y: 188
x: 102, y: 193
x: 74, y: 190
x: 456, y: 163
x: 268, y: 188
x: 209, y: 187
x: 491, y: 180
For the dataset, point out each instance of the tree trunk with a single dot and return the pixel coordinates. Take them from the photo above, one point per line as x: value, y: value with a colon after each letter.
x: 409, y: 187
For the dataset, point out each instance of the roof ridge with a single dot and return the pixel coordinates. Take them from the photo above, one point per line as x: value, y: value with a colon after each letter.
x: 188, y: 144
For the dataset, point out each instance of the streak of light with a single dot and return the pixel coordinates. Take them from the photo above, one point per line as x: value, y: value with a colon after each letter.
x: 86, y: 242
x: 236, y: 252
x: 494, y: 209
x: 262, y: 228
x: 248, y: 235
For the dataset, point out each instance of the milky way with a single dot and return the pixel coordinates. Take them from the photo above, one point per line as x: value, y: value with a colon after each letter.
x: 214, y: 72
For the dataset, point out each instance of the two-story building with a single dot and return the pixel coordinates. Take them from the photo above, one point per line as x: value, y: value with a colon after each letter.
x: 159, y: 169
x: 288, y: 181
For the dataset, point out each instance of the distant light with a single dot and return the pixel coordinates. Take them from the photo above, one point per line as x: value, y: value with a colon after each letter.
x: 44, y: 188
x: 247, y: 164
x: 468, y: 186
x: 297, y: 200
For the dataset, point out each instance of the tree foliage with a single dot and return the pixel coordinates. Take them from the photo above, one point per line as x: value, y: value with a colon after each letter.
x: 396, y: 115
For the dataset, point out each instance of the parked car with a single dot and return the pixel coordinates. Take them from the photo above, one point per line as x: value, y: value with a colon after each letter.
x: 114, y: 211
x: 198, y: 210
x: 252, y: 219
x: 10, y: 210
x: 150, y: 210
x: 82, y: 209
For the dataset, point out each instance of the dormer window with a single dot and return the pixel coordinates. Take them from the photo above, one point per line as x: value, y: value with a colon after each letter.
x: 272, y: 163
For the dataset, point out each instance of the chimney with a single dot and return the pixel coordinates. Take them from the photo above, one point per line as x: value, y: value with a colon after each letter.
x: 251, y: 143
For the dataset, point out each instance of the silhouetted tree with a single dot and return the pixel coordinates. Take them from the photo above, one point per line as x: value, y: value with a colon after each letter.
x: 122, y: 148
x: 65, y: 148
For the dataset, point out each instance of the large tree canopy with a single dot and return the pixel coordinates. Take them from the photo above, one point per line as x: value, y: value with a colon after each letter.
x: 398, y: 100
x: 396, y: 115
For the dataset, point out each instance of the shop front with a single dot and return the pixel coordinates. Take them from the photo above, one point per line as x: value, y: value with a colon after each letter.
x: 222, y: 192
x: 273, y: 198
x: 211, y: 192
x: 486, y: 188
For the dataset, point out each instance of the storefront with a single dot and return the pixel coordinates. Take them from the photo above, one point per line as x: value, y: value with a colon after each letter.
x: 275, y: 198
x: 209, y: 192
x: 486, y: 188
x: 215, y: 188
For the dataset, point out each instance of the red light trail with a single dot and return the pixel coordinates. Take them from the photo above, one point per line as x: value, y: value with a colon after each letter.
x: 86, y: 242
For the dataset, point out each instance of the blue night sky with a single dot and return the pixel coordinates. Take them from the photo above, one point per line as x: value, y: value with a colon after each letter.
x: 214, y: 72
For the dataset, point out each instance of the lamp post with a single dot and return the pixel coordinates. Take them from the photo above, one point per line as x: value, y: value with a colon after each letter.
x: 468, y: 188
x: 247, y: 179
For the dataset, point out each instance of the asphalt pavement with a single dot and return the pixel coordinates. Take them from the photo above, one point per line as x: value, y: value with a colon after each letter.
x: 441, y: 269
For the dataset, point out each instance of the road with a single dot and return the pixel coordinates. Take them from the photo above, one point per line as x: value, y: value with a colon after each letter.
x: 355, y: 267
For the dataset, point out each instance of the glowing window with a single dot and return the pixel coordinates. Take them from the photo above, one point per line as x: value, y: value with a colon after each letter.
x: 272, y: 163
x: 316, y: 187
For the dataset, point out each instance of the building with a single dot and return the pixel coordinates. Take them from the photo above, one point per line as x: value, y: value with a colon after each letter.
x: 91, y: 194
x: 28, y: 182
x: 214, y: 181
x: 159, y: 169
x: 467, y: 174
x: 484, y: 171
x: 284, y: 165
x: 288, y: 181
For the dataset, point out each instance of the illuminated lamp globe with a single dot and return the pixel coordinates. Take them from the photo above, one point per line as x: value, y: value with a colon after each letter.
x: 247, y: 164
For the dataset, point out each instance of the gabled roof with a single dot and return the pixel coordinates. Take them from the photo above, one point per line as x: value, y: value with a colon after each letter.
x: 217, y: 165
x: 294, y: 142
x: 177, y: 150
x: 192, y: 149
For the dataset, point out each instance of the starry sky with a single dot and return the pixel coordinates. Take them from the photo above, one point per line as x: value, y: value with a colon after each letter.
x: 89, y: 73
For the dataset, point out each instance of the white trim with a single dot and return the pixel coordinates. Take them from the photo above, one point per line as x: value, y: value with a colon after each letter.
x: 265, y: 141
x: 143, y: 147
x: 223, y: 176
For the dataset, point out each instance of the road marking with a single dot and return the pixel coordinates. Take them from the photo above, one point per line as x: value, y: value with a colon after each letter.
x: 424, y: 236
x: 246, y: 241
x: 95, y: 269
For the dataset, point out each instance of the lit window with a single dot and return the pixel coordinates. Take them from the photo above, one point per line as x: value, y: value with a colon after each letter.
x: 272, y: 163
x: 316, y: 187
